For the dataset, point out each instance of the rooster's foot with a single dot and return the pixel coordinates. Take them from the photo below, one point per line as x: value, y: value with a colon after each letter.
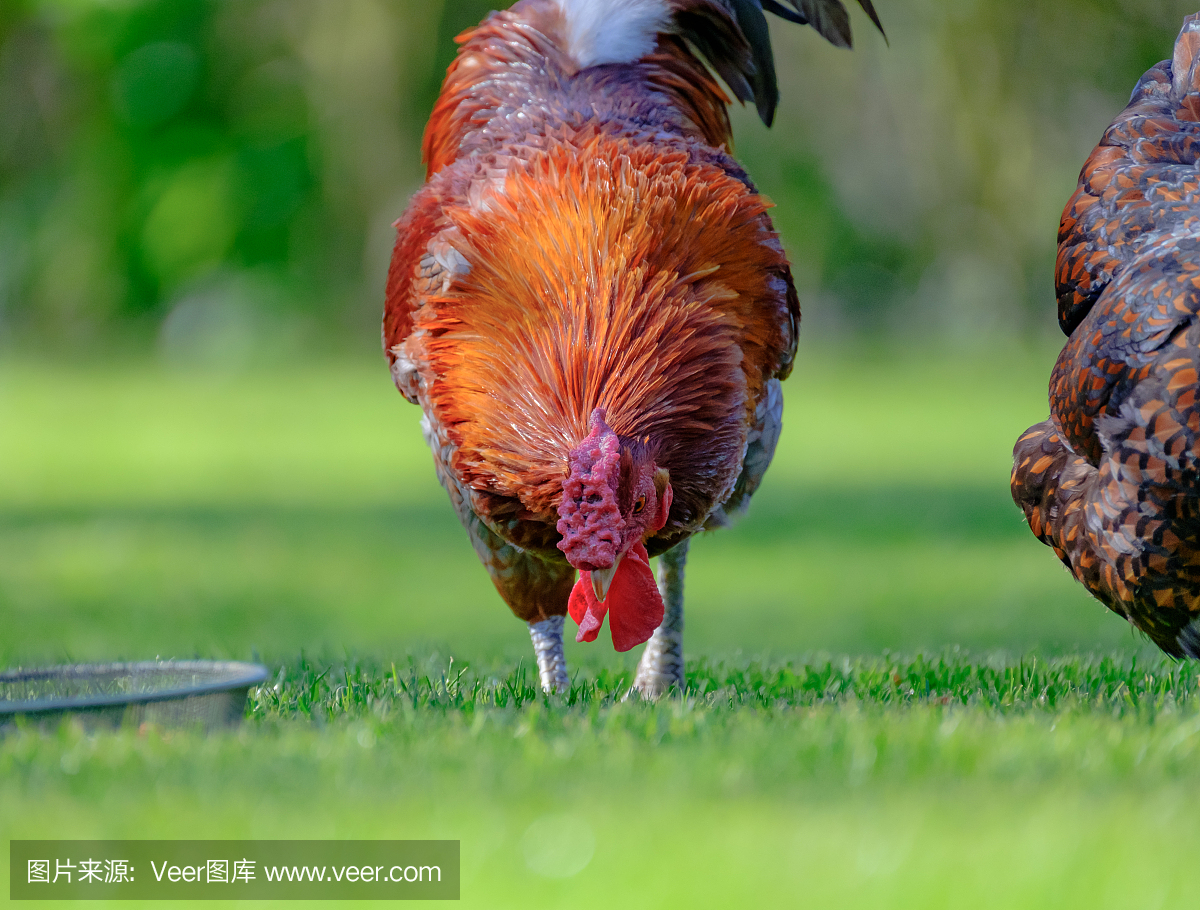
x: 661, y: 666
x: 548, y: 646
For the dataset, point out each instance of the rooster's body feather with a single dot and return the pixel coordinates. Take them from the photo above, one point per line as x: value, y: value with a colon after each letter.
x: 586, y: 261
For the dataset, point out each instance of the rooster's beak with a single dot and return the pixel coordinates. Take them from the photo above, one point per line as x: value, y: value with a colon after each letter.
x: 602, y: 579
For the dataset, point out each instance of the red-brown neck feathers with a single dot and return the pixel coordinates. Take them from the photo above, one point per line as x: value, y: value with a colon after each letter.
x: 614, y: 274
x: 500, y: 59
x: 521, y: 54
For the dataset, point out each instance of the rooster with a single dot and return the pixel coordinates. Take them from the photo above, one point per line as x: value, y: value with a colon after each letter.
x: 589, y: 302
x: 1111, y: 480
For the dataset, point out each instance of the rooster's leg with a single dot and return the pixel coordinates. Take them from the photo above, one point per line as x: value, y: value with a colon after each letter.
x: 661, y: 665
x: 548, y: 646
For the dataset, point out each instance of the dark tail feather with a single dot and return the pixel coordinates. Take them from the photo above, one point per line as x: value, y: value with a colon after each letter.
x: 753, y: 24
x: 830, y: 19
x: 745, y: 61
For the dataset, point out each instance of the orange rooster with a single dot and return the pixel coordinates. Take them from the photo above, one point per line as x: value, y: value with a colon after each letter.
x: 1111, y: 480
x: 591, y: 306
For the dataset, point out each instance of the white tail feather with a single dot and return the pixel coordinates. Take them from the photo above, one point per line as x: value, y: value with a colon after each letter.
x: 613, y: 31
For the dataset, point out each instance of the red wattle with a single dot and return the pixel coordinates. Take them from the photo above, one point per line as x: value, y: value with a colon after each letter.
x: 585, y: 609
x: 634, y: 605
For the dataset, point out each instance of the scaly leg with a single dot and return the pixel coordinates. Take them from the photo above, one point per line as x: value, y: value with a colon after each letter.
x: 548, y: 646
x: 661, y: 665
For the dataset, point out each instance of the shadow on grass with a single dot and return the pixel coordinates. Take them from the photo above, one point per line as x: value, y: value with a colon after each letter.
x: 885, y: 514
x: 836, y: 568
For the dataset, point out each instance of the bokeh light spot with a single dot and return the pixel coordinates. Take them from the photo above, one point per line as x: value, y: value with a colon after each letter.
x: 558, y: 846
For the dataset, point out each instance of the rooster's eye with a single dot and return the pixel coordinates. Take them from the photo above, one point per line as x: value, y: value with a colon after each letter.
x: 639, y: 505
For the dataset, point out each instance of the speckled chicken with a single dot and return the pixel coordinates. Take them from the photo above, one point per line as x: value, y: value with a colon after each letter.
x: 1112, y: 480
x: 589, y: 302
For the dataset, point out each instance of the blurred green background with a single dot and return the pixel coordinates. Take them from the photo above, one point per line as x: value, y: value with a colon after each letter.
x: 201, y: 453
x: 218, y: 178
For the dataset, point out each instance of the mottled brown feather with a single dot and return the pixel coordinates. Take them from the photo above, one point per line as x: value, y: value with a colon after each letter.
x: 1112, y: 480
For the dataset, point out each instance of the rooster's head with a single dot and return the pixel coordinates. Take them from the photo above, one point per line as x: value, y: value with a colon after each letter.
x: 613, y: 497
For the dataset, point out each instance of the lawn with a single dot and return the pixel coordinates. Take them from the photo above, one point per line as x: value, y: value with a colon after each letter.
x: 897, y: 697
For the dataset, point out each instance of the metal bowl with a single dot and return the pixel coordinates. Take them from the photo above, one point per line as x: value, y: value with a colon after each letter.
x: 167, y: 693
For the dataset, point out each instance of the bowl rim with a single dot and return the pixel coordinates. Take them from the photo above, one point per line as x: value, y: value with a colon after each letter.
x: 239, y: 675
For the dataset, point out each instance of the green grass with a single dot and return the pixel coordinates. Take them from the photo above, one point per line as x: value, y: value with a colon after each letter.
x: 896, y: 696
x: 1105, y: 685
